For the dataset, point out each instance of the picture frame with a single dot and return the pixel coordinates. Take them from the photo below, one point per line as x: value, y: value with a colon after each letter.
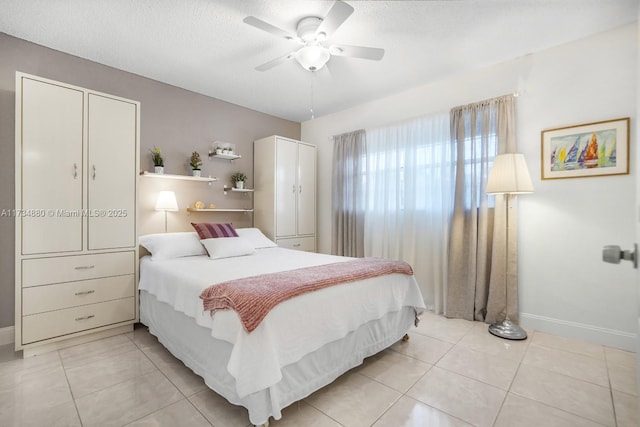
x: 586, y: 150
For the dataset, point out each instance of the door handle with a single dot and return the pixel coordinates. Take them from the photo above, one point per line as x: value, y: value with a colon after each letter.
x: 614, y: 254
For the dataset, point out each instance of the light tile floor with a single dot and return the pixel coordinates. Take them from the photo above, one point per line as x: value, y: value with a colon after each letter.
x: 450, y: 373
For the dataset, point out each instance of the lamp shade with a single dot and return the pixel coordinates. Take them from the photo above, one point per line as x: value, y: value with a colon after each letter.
x: 509, y: 175
x: 166, y: 201
x: 313, y: 57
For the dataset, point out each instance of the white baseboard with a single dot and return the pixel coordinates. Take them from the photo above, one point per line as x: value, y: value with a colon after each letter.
x: 7, y: 335
x: 595, y: 334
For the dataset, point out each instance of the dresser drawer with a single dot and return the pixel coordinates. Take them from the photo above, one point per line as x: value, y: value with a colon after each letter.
x: 43, y: 271
x: 38, y: 299
x: 300, y: 243
x: 37, y: 327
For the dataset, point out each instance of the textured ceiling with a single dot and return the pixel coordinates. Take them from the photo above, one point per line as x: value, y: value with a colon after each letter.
x: 203, y: 45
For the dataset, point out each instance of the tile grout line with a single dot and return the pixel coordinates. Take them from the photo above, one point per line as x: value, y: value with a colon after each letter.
x: 613, y: 402
x: 73, y: 399
x: 561, y: 375
x: 187, y: 398
x: 171, y: 382
x: 515, y: 374
x: 404, y: 394
x: 390, y: 406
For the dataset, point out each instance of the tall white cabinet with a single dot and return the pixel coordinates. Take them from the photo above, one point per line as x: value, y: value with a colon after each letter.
x: 75, y: 217
x: 285, y: 191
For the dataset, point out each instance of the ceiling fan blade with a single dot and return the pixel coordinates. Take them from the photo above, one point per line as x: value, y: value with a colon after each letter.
x: 373, y: 53
x: 339, y: 13
x: 265, y: 26
x: 274, y: 62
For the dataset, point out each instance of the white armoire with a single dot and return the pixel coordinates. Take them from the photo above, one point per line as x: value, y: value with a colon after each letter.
x: 75, y: 214
x: 285, y: 191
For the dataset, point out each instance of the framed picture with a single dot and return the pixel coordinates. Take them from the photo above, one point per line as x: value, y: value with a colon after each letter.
x: 592, y: 149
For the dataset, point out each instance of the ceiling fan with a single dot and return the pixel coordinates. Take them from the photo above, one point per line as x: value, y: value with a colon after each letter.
x: 312, y: 33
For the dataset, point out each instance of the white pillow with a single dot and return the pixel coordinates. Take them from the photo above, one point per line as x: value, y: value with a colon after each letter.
x: 256, y: 238
x: 227, y: 247
x: 172, y: 245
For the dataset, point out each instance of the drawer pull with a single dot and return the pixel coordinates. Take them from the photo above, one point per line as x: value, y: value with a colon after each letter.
x: 296, y: 245
x: 85, y: 267
x: 91, y: 316
x: 85, y: 292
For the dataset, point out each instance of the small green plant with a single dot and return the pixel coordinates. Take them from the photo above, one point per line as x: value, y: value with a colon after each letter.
x: 195, y: 161
x: 239, y: 177
x: 156, y: 155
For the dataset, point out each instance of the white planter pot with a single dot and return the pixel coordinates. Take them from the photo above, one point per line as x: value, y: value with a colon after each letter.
x: 240, y: 185
x: 158, y: 169
x: 196, y: 172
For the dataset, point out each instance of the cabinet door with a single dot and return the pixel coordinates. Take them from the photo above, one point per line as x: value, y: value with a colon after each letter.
x: 306, y: 189
x: 111, y: 173
x: 51, y: 167
x: 286, y: 187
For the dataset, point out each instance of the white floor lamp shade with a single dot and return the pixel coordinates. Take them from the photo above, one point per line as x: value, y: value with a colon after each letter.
x: 166, y: 202
x: 509, y: 175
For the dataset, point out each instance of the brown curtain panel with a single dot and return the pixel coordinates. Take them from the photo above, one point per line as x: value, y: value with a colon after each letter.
x: 348, y: 195
x: 478, y: 271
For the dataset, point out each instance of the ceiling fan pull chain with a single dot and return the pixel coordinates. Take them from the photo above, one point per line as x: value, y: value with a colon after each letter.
x: 312, y: 79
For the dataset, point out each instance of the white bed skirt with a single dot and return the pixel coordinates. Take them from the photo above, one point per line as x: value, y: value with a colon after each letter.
x: 208, y: 357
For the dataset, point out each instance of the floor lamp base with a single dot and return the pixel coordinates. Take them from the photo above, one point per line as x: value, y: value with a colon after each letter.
x: 508, y: 330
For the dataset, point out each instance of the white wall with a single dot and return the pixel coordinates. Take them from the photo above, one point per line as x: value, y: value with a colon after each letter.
x: 565, y: 288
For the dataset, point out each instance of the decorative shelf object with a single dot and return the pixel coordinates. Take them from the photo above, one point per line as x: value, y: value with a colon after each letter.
x: 209, y: 179
x: 224, y: 156
x: 236, y: 190
x: 219, y: 210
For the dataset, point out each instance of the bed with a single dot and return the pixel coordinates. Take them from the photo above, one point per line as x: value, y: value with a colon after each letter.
x: 303, y: 343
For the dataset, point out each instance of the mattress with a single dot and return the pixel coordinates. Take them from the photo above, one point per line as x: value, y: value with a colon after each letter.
x: 256, y: 362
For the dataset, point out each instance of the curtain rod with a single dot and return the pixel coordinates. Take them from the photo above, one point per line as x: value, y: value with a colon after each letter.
x: 486, y: 101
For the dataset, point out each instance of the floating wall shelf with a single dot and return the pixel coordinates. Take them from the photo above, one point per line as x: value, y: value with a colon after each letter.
x: 209, y: 179
x: 224, y: 156
x: 237, y: 190
x: 220, y: 145
x: 219, y: 210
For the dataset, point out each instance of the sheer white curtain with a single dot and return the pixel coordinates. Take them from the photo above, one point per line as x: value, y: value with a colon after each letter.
x: 409, y: 182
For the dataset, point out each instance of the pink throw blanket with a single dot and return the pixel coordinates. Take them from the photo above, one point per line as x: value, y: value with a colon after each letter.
x: 253, y: 297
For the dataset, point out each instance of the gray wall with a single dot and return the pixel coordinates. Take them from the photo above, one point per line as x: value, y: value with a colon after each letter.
x: 177, y: 120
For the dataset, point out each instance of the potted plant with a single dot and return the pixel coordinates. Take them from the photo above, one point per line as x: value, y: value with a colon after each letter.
x: 195, y: 163
x: 238, y: 179
x: 158, y: 161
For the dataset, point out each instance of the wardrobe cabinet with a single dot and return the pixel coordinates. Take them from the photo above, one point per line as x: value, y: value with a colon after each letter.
x: 75, y: 214
x: 285, y: 191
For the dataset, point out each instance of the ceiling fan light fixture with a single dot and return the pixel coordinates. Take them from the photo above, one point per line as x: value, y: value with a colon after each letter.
x: 312, y: 32
x: 306, y: 28
x: 313, y: 57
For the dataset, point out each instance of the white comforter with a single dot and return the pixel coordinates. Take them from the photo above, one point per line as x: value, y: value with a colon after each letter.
x: 293, y: 328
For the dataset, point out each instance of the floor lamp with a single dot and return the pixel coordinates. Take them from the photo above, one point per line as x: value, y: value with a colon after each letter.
x: 509, y: 176
x: 166, y: 202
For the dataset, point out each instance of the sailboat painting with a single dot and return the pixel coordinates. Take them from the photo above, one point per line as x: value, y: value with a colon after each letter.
x: 592, y: 149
